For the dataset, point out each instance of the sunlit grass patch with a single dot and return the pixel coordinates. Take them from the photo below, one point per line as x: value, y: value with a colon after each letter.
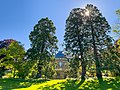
x: 44, y: 85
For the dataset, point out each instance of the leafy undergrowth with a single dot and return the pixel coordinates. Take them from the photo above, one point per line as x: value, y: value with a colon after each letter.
x: 65, y: 84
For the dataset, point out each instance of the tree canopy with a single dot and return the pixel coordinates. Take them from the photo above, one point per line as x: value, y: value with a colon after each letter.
x: 43, y: 42
x: 87, y: 29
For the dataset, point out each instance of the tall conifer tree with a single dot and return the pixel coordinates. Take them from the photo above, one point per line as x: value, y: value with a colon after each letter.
x: 43, y: 43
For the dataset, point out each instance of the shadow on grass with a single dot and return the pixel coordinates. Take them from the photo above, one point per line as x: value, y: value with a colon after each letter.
x: 91, y: 84
x: 10, y: 83
x: 106, y: 84
x: 69, y: 84
x: 110, y: 83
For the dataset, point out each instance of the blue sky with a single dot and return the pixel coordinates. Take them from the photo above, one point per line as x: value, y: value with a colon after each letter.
x: 18, y: 17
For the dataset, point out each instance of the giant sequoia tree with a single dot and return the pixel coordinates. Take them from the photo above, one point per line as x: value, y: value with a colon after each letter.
x: 87, y: 29
x: 100, y: 29
x: 75, y: 36
x: 43, y: 41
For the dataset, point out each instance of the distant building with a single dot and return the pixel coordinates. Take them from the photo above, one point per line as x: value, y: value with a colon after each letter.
x: 62, y: 65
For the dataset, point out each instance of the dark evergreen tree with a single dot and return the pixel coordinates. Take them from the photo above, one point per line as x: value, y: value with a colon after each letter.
x: 86, y: 29
x: 75, y: 36
x: 100, y: 38
x: 43, y: 43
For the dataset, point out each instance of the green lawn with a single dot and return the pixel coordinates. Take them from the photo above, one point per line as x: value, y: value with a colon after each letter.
x: 65, y: 84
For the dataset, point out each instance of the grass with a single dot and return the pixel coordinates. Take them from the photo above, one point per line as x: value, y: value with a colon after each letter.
x: 65, y: 84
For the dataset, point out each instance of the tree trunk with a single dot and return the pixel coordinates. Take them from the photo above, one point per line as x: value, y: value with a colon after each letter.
x: 98, y: 70
x: 97, y: 62
x: 80, y: 38
x: 39, y: 74
x: 83, y: 70
x: 13, y: 73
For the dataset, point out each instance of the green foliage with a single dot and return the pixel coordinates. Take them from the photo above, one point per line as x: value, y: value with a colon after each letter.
x: 117, y: 45
x: 76, y: 37
x: 2, y: 62
x: 116, y: 27
x: 24, y: 69
x: 16, y: 51
x: 44, y: 43
x: 118, y: 12
x: 100, y: 37
x: 49, y: 70
x: 74, y: 67
x: 43, y: 39
x: 14, y: 55
x: 111, y: 60
x: 33, y: 70
x: 87, y: 32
